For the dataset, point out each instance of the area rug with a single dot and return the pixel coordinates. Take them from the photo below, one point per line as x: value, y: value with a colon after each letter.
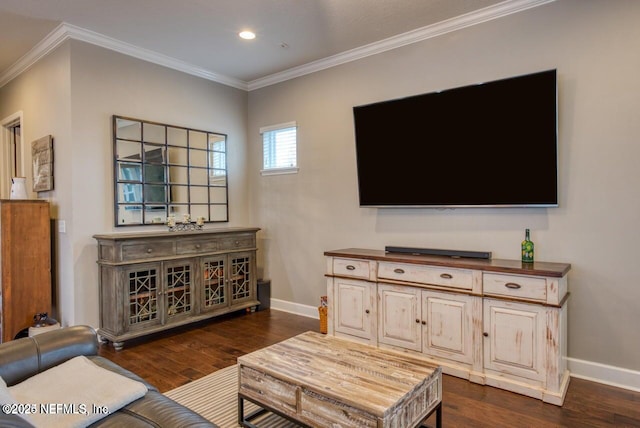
x: 215, y: 397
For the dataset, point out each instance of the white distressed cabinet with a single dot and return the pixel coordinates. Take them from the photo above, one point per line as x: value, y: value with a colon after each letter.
x: 514, y: 335
x: 355, y: 309
x: 448, y: 325
x: 399, y: 316
x: 495, y: 322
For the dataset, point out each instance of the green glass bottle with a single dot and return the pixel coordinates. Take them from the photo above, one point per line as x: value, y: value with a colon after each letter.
x: 527, y: 248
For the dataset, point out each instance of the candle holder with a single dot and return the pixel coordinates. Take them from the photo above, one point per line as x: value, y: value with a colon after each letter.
x: 180, y: 227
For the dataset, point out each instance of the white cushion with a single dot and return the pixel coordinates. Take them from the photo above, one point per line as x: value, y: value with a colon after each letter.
x: 68, y: 395
x: 5, y: 395
x: 7, y: 398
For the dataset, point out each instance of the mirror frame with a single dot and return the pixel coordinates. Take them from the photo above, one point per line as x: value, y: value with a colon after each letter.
x: 147, y: 167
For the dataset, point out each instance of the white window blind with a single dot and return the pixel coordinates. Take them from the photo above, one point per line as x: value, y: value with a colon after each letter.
x: 279, y: 145
x: 217, y: 159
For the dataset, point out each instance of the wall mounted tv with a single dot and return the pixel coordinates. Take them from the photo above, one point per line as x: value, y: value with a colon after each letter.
x: 487, y: 145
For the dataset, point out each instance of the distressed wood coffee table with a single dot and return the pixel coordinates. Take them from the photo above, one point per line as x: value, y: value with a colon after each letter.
x: 324, y: 381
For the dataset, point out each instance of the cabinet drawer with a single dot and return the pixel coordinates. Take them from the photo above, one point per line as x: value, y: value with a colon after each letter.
x: 147, y: 250
x: 524, y: 287
x: 324, y: 411
x: 237, y: 242
x: 443, y: 276
x: 193, y: 246
x: 281, y: 395
x: 350, y: 267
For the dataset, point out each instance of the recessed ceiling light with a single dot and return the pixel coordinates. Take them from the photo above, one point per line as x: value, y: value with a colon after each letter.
x: 247, y: 35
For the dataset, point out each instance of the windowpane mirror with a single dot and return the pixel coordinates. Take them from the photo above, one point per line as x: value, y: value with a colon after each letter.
x: 162, y: 170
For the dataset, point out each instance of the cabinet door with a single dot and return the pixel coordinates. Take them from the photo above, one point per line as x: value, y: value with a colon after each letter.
x: 514, y: 338
x: 214, y: 290
x: 399, y: 322
x: 142, y: 285
x: 240, y: 277
x: 355, y: 313
x: 178, y: 289
x: 447, y: 330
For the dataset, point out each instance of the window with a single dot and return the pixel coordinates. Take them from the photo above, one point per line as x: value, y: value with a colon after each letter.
x: 279, y: 143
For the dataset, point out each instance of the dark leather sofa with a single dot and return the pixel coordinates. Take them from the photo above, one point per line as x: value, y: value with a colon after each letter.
x: 23, y: 358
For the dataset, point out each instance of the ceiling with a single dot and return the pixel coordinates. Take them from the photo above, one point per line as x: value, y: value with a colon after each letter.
x: 202, y: 34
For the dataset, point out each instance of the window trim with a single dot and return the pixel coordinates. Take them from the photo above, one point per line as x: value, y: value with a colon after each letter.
x: 279, y: 171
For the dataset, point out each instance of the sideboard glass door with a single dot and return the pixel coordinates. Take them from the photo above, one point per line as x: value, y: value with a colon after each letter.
x: 179, y: 278
x: 240, y: 277
x: 142, y: 293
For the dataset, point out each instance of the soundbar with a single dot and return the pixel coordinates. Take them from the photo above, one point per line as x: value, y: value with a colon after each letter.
x: 439, y: 252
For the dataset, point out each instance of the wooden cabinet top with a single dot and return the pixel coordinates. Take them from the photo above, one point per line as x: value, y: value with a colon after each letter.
x: 23, y: 201
x: 171, y: 235
x: 548, y: 269
x: 128, y: 248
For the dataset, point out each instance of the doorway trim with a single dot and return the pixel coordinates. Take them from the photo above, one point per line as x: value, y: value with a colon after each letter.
x: 6, y: 152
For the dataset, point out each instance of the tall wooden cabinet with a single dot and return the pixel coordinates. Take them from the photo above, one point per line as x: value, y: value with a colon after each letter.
x: 25, y: 262
x: 154, y: 281
x: 495, y: 322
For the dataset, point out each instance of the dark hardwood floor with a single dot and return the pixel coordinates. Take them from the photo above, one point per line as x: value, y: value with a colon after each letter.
x: 174, y: 358
x: 170, y: 359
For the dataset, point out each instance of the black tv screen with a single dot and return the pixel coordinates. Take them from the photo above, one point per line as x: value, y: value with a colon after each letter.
x: 485, y: 145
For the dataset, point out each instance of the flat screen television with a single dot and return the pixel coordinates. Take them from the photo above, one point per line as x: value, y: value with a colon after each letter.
x: 492, y: 144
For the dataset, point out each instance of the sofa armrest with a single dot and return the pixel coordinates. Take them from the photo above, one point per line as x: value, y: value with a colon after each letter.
x: 23, y: 358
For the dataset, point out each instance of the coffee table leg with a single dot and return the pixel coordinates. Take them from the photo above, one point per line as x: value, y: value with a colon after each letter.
x: 245, y: 420
x: 438, y: 411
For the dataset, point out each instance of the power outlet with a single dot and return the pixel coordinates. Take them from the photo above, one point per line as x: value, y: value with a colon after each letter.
x: 62, y: 226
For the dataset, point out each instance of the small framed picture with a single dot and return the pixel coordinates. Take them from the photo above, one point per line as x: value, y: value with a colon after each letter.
x: 42, y: 160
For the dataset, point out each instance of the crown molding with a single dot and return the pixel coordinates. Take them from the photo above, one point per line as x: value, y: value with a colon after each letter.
x: 44, y: 46
x: 66, y: 31
x: 473, y: 18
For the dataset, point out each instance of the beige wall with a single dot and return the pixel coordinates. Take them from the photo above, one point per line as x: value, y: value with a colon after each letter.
x: 77, y: 112
x: 105, y: 83
x: 42, y: 94
x: 594, y: 46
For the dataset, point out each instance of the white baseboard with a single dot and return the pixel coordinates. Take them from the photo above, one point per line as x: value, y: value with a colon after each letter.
x: 602, y: 373
x: 295, y: 308
x: 588, y: 370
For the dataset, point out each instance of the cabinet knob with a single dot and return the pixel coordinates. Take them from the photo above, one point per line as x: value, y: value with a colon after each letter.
x: 149, y: 250
x: 417, y: 321
x: 197, y: 246
x: 398, y: 270
x: 367, y: 311
x: 424, y: 323
x: 512, y: 285
x: 351, y: 267
x: 446, y: 276
x: 485, y: 334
